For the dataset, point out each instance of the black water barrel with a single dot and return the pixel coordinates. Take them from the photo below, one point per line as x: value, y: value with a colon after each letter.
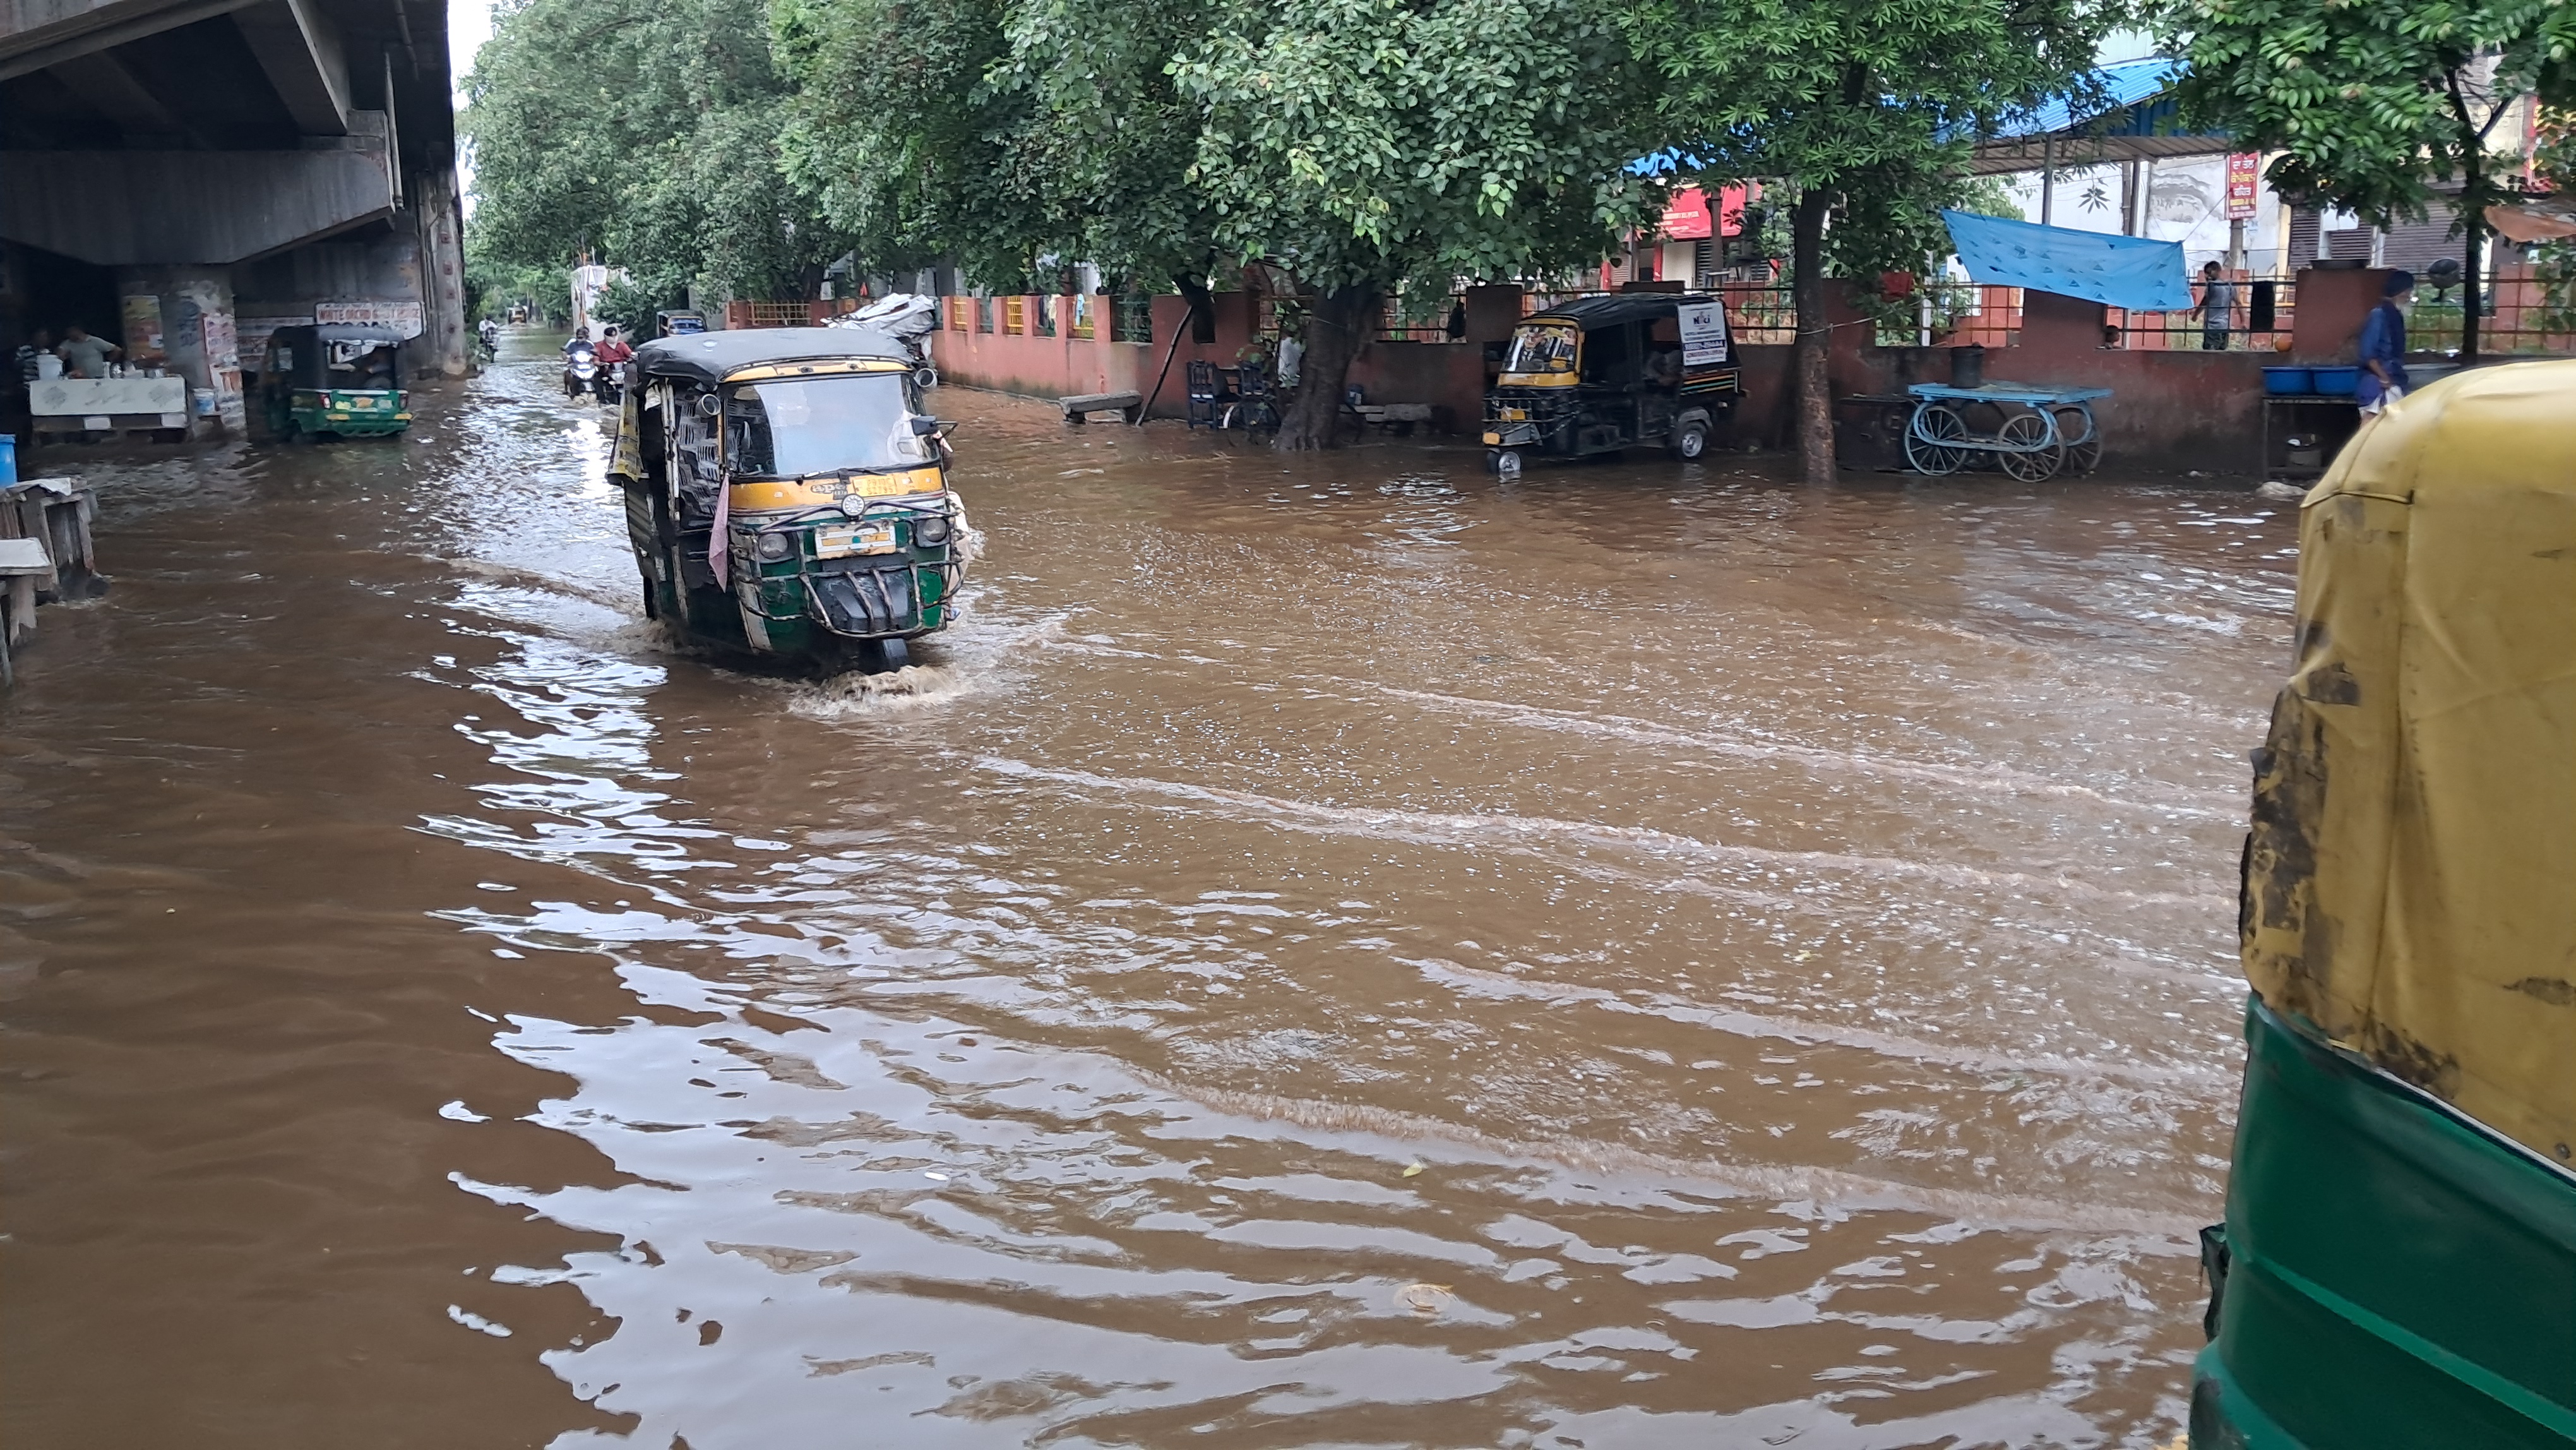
x: 1968, y: 366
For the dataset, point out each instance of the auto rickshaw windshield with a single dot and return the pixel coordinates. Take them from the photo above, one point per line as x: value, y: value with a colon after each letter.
x: 1541, y: 348
x: 801, y: 426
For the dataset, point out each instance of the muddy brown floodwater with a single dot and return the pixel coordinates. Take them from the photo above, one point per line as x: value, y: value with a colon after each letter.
x: 1345, y: 952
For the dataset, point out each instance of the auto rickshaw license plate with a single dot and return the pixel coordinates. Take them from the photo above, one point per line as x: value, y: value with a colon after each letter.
x: 839, y: 541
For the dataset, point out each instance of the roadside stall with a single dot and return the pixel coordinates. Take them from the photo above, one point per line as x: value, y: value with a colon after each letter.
x: 2034, y: 431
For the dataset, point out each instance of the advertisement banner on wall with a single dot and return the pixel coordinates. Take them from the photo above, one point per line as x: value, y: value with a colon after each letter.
x: 223, y: 346
x: 2244, y: 185
x: 143, y: 341
x: 403, y: 317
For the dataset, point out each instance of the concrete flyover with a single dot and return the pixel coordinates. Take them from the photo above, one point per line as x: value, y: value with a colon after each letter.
x: 185, y: 175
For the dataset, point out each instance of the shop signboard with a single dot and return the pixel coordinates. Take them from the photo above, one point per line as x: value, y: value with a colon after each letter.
x: 2244, y: 185
x: 404, y: 317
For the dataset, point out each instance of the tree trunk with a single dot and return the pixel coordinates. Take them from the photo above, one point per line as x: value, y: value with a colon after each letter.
x: 1338, y: 325
x: 1202, y: 308
x: 2474, y: 213
x: 1813, y: 353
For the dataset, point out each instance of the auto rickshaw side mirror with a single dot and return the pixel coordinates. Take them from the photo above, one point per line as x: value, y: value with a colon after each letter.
x: 709, y: 405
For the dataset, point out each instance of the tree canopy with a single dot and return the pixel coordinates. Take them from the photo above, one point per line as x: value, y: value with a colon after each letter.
x: 2378, y: 102
x: 1353, y: 144
x: 644, y: 132
x: 1865, y: 110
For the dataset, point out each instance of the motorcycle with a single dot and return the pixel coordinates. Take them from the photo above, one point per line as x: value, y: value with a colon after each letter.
x: 581, y: 371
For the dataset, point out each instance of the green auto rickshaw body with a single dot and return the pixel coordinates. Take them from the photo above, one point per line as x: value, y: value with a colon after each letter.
x: 333, y: 380
x: 786, y: 497
x: 2398, y: 1263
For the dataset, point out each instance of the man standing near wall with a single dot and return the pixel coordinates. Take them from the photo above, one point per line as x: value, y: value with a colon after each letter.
x: 2217, y: 308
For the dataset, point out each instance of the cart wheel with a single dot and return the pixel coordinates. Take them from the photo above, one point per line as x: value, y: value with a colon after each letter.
x: 2030, y: 452
x: 2084, y: 457
x: 1928, y: 445
x: 1690, y: 440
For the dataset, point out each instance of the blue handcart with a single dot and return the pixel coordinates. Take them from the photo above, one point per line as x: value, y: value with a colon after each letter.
x: 2044, y: 432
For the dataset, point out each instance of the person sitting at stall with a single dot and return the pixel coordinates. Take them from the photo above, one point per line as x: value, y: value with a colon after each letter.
x: 85, y: 356
x: 38, y: 344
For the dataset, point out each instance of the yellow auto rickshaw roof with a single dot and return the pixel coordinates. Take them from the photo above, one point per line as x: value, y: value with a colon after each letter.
x: 2410, y: 884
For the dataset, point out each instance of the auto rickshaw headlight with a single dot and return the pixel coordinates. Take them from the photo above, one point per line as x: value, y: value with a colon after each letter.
x: 931, y: 530
x: 773, y: 547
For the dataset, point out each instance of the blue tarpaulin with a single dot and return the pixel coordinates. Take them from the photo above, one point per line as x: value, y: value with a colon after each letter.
x: 2129, y: 272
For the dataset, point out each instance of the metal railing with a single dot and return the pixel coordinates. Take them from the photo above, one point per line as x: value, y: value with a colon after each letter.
x: 1132, y: 319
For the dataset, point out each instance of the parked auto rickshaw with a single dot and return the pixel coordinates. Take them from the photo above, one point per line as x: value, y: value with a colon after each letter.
x: 786, y: 497
x: 1599, y: 374
x: 336, y: 380
x: 2398, y: 1264
x: 679, y: 322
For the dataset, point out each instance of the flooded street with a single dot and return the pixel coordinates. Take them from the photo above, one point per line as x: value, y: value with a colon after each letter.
x: 1334, y: 952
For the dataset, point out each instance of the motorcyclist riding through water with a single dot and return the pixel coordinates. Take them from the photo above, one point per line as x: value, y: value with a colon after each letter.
x: 613, y: 354
x: 581, y: 363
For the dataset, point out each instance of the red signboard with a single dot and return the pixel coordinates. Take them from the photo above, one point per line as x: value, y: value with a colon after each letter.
x: 2244, y: 181
x: 1690, y: 217
x: 1687, y: 219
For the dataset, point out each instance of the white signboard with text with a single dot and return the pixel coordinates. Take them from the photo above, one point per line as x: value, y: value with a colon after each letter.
x: 1703, y: 334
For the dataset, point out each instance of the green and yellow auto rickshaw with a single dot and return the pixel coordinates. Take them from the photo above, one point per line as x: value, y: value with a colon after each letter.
x: 335, y: 380
x: 2398, y: 1264
x: 786, y: 496
x: 1596, y: 375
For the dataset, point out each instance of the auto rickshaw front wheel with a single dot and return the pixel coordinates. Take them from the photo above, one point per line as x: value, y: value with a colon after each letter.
x: 1690, y: 440
x: 1502, y: 460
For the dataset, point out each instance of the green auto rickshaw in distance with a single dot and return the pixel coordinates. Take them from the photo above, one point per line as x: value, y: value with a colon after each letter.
x: 333, y: 380
x: 787, y: 498
x: 2398, y: 1266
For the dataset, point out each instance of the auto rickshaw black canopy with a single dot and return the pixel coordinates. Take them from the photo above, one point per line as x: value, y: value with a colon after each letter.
x: 709, y: 358
x: 1614, y: 308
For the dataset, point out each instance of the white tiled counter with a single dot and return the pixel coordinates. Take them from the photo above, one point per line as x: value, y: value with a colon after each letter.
x: 101, y: 405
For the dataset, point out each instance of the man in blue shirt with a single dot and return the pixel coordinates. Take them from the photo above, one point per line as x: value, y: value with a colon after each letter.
x: 2383, y: 346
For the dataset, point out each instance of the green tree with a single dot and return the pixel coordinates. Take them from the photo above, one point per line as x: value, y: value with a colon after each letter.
x: 1011, y: 138
x: 2376, y: 101
x: 646, y: 134
x: 1866, y: 110
x: 891, y: 128
x: 1352, y: 145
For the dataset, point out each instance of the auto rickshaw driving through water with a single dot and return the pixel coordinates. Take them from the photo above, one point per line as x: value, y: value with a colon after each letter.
x: 786, y: 497
x: 336, y: 380
x: 1596, y: 375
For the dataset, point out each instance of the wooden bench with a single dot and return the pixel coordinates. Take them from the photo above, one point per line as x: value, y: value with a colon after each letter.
x: 1080, y: 405
x: 1397, y: 418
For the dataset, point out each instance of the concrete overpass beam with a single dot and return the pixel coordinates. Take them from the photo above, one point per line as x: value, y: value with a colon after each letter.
x: 101, y: 75
x: 36, y: 34
x: 146, y: 208
x: 299, y: 48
